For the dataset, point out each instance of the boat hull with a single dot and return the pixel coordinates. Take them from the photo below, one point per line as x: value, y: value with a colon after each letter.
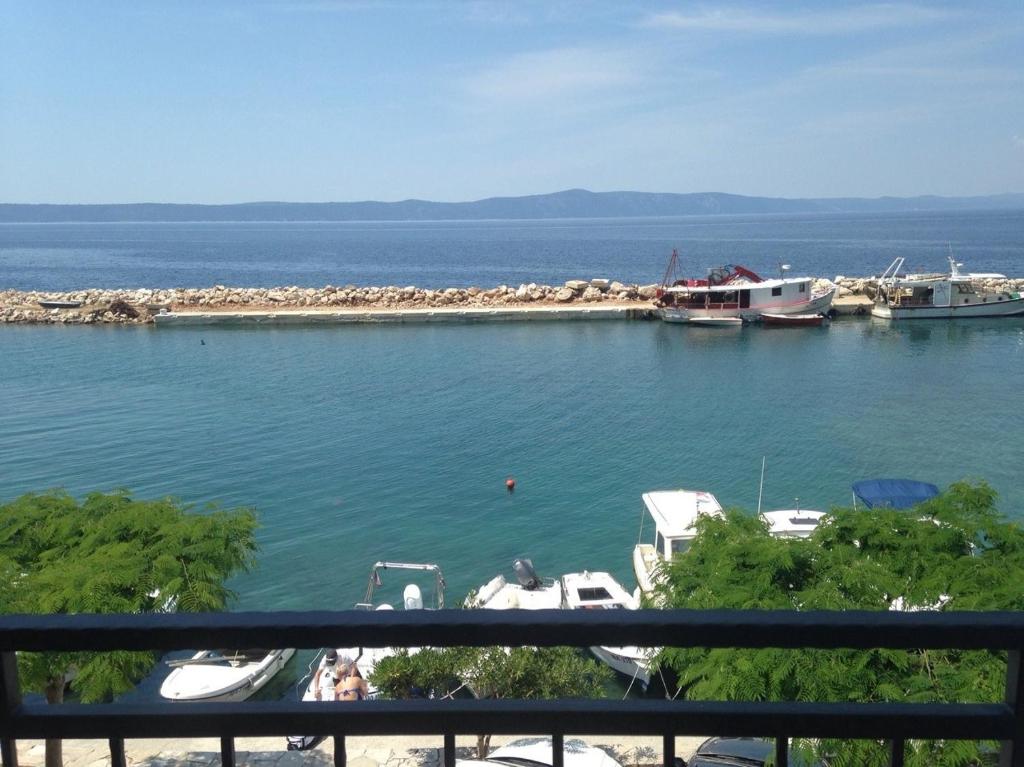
x: 819, y: 304
x: 792, y: 320
x: 1009, y: 308
x: 628, y: 661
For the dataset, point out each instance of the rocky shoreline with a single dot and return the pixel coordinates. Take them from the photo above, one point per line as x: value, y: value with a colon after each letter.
x: 140, y: 306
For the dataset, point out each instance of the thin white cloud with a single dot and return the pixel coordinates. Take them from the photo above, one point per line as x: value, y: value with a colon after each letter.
x: 1018, y: 142
x: 828, y: 22
x: 554, y: 74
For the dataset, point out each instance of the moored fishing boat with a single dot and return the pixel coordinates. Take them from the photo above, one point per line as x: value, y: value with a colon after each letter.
x: 942, y: 296
x: 736, y: 292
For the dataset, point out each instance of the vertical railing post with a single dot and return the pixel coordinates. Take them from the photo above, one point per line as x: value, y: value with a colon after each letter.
x: 117, y: 757
x: 668, y: 751
x: 782, y: 751
x: 449, y: 749
x: 10, y: 690
x: 558, y: 750
x: 227, y: 752
x: 1011, y: 753
x: 340, y: 752
x: 897, y: 752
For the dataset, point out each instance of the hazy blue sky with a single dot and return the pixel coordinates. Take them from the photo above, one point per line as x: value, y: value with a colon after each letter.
x: 315, y: 100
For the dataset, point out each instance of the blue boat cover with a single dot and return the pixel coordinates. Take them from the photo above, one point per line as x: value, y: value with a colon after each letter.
x: 893, y: 493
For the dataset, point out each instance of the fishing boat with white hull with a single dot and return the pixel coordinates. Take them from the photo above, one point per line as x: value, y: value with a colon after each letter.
x: 942, y: 296
x: 735, y: 292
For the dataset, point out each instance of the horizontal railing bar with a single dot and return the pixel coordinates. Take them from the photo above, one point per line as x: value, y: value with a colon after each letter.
x: 677, y: 628
x: 578, y: 717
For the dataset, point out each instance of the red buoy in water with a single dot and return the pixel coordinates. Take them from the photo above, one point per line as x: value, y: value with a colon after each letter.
x: 510, y: 484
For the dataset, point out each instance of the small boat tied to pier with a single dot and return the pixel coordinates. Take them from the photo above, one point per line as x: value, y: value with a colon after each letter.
x: 731, y: 293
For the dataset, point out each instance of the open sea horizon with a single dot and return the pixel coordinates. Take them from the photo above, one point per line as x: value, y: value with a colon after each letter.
x: 439, y: 254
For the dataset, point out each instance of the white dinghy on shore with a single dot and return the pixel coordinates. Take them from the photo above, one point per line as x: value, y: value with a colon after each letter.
x: 223, y: 675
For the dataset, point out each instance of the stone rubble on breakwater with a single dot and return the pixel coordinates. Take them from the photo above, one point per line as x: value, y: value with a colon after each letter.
x: 139, y: 306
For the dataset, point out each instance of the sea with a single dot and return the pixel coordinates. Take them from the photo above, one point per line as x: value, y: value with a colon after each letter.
x: 394, y: 442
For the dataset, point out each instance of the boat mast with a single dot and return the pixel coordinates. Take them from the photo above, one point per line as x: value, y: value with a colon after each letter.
x: 670, y: 271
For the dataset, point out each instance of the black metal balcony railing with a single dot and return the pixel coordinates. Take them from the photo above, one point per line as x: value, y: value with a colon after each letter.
x: 895, y: 723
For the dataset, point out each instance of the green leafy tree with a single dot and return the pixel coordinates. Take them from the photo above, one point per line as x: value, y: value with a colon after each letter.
x: 112, y: 553
x: 492, y: 672
x: 954, y: 552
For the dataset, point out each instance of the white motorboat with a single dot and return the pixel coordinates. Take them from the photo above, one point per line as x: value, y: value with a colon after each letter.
x: 222, y: 675
x: 674, y: 513
x: 539, y: 752
x: 529, y: 592
x: 600, y: 591
x: 737, y: 293
x: 321, y: 672
x: 792, y: 523
x: 942, y: 296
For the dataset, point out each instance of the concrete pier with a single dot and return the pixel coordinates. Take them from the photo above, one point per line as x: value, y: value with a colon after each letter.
x: 602, y: 311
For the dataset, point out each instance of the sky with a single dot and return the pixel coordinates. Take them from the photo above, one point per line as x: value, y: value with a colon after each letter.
x: 217, y: 101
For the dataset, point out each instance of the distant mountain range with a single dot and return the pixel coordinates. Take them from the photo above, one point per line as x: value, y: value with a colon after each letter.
x: 573, y: 203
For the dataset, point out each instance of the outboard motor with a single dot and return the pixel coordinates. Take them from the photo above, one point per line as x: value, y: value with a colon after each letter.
x: 525, y: 574
x: 412, y: 597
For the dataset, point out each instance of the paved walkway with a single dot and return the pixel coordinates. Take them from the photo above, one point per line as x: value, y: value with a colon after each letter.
x: 362, y: 752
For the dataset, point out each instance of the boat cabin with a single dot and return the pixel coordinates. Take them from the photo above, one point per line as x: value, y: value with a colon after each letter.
x: 674, y: 513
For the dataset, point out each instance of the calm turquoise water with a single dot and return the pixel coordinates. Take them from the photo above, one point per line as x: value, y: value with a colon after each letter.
x: 365, y: 443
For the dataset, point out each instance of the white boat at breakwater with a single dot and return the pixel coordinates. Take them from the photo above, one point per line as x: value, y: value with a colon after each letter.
x: 600, y: 591
x: 942, y: 296
x: 223, y: 675
x: 737, y: 293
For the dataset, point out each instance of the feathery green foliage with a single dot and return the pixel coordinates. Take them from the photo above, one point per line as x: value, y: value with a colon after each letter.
x: 954, y: 552
x: 492, y: 672
x: 112, y: 553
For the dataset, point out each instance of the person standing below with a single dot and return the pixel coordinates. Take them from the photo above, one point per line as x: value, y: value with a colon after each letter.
x: 328, y: 674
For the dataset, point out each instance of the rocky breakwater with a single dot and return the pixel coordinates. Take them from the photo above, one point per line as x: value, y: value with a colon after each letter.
x: 140, y: 306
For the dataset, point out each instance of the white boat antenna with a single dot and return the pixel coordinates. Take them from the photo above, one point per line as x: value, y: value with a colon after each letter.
x: 954, y: 265
x: 760, y: 489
